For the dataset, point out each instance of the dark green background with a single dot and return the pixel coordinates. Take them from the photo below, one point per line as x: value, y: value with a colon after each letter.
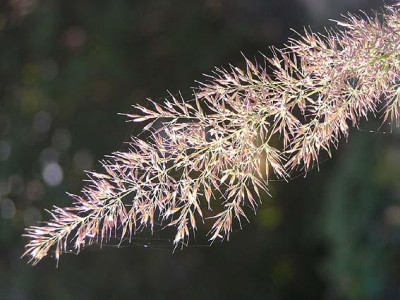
x: 68, y: 67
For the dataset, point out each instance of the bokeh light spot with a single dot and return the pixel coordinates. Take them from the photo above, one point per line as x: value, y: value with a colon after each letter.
x: 7, y: 209
x: 49, y: 70
x: 5, y: 150
x: 61, y: 139
x: 52, y: 174
x: 42, y: 122
x: 74, y: 37
x: 5, y: 187
x: 392, y: 215
x: 83, y: 160
x: 34, y: 190
x: 48, y: 155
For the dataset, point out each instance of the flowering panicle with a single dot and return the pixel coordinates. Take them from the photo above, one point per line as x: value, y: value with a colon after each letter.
x: 241, y: 127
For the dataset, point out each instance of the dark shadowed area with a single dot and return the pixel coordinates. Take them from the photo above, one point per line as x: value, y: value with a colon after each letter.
x: 67, y: 68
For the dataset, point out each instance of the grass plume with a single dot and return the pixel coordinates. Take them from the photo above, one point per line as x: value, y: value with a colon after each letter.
x: 241, y: 127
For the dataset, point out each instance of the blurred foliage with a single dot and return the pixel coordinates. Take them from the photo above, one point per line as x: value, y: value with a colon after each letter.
x: 68, y: 68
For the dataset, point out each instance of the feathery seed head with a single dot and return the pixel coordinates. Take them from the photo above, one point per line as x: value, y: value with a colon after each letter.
x: 241, y: 128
